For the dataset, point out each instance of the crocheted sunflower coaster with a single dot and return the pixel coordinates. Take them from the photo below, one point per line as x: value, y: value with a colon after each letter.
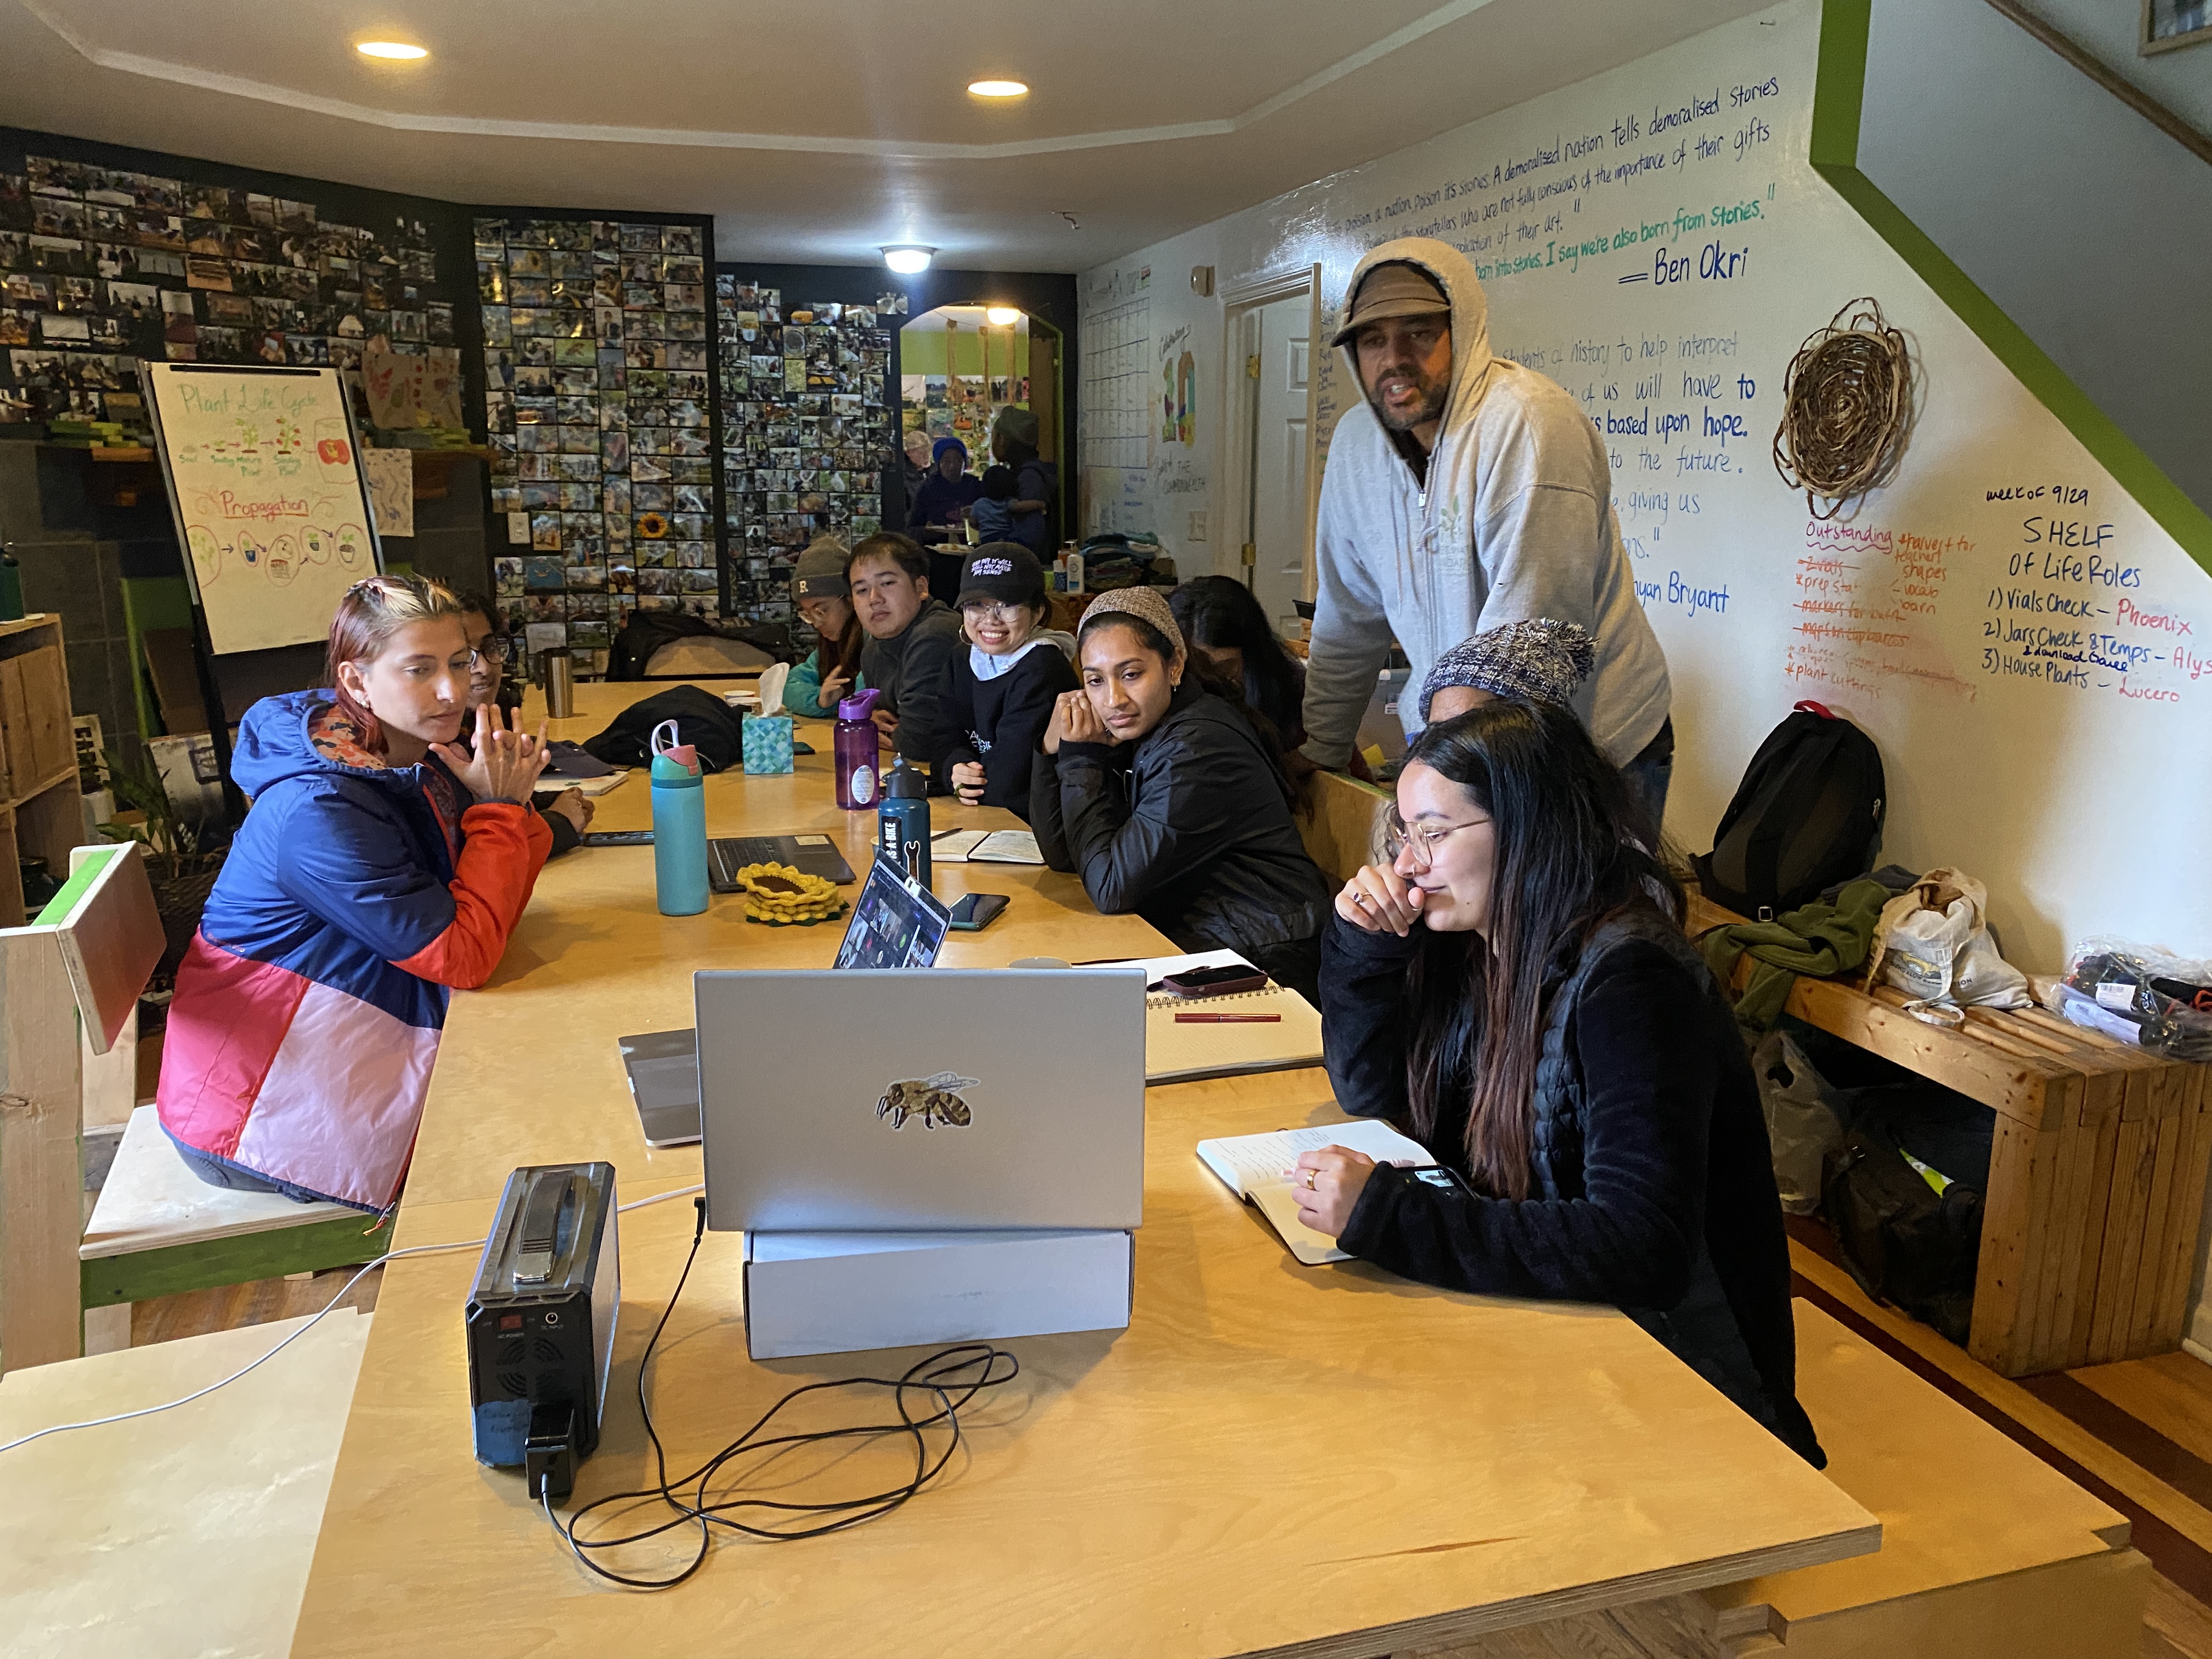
x: 781, y: 896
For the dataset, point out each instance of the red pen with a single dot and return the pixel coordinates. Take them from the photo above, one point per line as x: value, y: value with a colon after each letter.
x: 1228, y: 1019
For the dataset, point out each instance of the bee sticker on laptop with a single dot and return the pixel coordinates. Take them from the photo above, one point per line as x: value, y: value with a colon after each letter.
x: 935, y: 1100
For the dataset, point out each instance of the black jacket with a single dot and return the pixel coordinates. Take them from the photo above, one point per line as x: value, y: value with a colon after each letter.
x: 1000, y: 721
x: 909, y: 669
x: 1191, y: 830
x: 1653, y: 1185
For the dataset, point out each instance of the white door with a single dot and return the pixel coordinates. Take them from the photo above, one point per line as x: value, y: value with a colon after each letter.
x: 1278, y: 345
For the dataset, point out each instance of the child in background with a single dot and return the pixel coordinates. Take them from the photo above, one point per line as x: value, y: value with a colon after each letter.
x: 993, y: 510
x: 1000, y: 690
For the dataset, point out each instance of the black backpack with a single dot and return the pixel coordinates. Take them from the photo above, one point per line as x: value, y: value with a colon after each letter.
x: 1903, y: 1242
x: 702, y: 719
x: 1806, y: 816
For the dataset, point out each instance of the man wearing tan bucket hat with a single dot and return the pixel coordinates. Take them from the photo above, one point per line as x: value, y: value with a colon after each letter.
x: 1463, y: 493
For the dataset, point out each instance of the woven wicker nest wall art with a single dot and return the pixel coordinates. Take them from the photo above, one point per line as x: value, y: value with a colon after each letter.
x: 1846, y: 409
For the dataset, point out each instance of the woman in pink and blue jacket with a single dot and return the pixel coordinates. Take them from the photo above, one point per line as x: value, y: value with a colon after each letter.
x: 380, y: 864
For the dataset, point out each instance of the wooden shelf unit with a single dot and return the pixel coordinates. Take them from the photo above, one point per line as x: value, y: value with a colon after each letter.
x: 40, y: 811
x: 2097, y: 1172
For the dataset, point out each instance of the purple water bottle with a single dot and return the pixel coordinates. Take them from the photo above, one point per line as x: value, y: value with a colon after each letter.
x: 857, y: 739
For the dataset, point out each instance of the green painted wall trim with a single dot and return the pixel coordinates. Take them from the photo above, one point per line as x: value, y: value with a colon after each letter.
x: 1838, y: 97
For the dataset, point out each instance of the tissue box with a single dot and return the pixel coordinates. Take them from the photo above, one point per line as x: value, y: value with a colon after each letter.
x: 809, y: 1293
x: 767, y: 744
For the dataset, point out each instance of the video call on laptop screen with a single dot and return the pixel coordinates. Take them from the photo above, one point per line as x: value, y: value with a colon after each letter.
x: 895, y: 924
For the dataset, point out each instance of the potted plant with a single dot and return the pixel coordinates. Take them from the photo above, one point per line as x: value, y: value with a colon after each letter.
x: 180, y: 860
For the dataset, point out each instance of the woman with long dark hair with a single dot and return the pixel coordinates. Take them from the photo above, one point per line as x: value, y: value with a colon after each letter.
x: 831, y: 671
x: 1169, y: 797
x: 1513, y: 982
x: 1227, y: 626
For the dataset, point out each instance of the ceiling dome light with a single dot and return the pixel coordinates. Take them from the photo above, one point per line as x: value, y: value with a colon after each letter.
x: 1002, y: 316
x: 999, y: 88
x: 907, y: 259
x: 398, y: 50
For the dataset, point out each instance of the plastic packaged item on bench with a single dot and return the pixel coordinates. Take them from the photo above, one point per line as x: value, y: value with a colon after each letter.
x: 1934, y: 945
x: 2141, y: 994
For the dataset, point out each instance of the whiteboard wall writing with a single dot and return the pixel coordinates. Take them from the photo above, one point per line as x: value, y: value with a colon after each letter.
x: 2030, y: 649
x: 265, y: 484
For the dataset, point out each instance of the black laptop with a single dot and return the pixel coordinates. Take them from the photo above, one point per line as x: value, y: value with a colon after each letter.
x: 811, y: 855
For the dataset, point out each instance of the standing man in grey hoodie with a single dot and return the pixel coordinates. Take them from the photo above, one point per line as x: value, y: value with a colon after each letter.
x: 1464, y: 493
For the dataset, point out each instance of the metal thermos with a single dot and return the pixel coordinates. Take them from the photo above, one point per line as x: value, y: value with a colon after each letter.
x: 560, y: 683
x: 903, y: 821
x: 856, y: 742
x: 679, y: 823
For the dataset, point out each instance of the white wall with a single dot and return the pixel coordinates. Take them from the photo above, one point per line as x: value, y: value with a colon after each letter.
x: 2027, y: 127
x: 2108, y: 31
x: 1938, y: 614
x: 2013, y: 748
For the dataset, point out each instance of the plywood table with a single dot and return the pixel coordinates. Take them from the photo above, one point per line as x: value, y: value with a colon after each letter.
x: 1270, y: 1458
x: 187, y: 1533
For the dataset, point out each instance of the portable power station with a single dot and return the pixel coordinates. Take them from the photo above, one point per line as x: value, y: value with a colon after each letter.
x: 541, y: 1322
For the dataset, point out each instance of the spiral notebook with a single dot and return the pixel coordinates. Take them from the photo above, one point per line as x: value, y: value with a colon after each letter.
x: 1184, y: 1054
x: 1255, y: 1168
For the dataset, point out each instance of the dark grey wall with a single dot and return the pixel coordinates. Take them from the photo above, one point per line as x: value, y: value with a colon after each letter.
x: 74, y: 557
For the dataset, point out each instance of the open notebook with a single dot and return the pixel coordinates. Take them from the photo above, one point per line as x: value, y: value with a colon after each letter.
x: 985, y: 847
x: 1252, y: 1166
x: 1184, y: 1054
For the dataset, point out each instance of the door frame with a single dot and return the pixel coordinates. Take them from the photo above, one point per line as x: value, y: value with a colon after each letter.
x: 1240, y: 407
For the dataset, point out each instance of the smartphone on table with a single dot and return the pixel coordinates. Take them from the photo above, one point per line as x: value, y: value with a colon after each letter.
x: 977, y: 911
x: 1229, y: 979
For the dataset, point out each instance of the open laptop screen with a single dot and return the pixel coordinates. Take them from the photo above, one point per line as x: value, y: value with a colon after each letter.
x: 896, y: 923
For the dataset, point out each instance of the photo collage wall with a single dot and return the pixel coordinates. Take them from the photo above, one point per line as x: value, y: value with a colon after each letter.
x: 599, y: 344
x: 102, y: 266
x: 807, y: 433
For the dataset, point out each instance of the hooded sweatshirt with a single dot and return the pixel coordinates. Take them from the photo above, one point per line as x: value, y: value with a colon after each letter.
x: 309, y: 1006
x: 1513, y: 520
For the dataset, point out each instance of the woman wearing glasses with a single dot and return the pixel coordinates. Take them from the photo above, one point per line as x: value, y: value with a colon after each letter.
x: 1513, y: 983
x: 382, y: 864
x: 567, y: 814
x: 999, y: 691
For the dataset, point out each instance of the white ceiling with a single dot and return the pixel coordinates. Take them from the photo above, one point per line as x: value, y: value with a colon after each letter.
x: 814, y: 133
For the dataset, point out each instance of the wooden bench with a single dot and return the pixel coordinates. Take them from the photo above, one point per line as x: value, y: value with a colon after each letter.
x: 190, y: 1531
x: 2097, y: 1172
x: 158, y: 1228
x: 1987, y: 1552
x: 1340, y: 823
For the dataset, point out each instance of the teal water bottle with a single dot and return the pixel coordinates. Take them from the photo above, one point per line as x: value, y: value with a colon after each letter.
x: 679, y: 824
x: 903, y: 821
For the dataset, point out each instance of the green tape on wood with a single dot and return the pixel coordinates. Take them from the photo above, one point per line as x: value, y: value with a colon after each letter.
x: 74, y: 890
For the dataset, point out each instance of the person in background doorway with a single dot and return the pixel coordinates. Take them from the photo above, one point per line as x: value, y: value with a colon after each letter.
x: 1225, y: 624
x: 992, y: 513
x: 911, y: 636
x: 1464, y: 491
x: 1002, y: 689
x: 1158, y: 788
x: 567, y: 814
x: 831, y: 671
x: 1037, y: 482
x: 1513, y: 981
x: 940, y: 511
x: 914, y: 465
x: 382, y: 864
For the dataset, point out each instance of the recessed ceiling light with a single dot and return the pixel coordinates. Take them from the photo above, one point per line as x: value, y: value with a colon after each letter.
x: 999, y: 88
x: 393, y: 49
x: 907, y: 259
x: 1003, y: 316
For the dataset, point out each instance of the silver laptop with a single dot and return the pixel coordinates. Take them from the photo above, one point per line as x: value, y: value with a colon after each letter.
x: 922, y: 1098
